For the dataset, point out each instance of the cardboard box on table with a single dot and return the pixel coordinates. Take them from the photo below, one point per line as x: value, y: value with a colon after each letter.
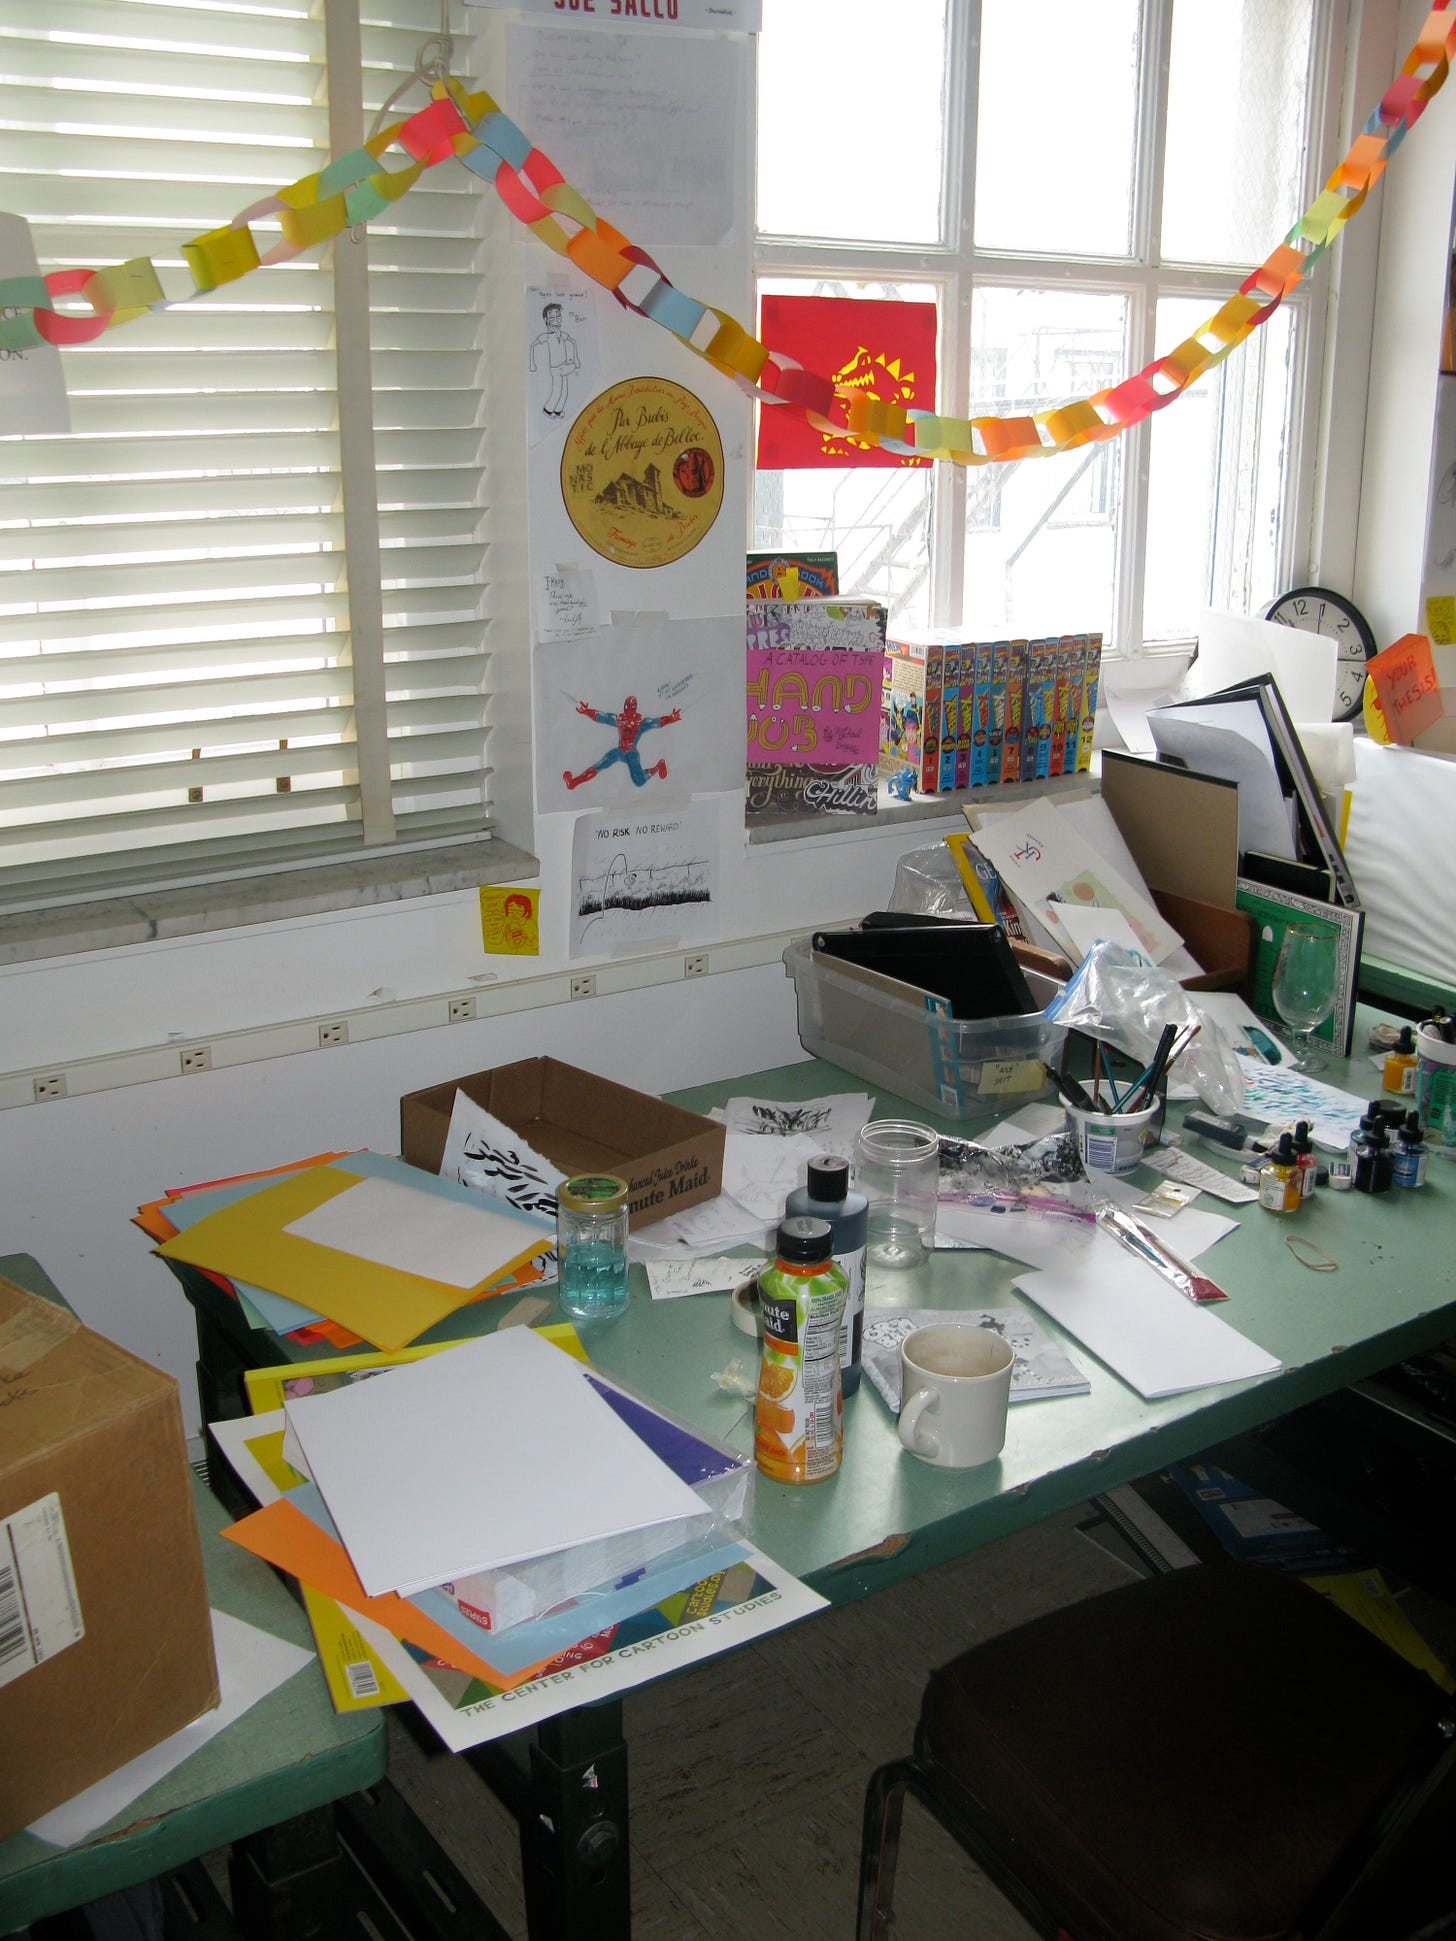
x: 670, y: 1159
x: 105, y: 1636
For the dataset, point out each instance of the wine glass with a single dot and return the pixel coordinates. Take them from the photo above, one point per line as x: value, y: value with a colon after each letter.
x: 1304, y: 987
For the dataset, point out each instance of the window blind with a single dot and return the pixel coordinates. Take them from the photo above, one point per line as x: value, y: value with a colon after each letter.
x: 183, y: 665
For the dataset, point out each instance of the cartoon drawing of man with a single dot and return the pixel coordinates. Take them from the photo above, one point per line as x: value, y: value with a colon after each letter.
x: 630, y: 726
x: 558, y: 347
x: 516, y: 915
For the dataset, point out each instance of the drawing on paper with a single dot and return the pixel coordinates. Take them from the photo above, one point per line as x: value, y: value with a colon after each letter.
x: 784, y: 1121
x: 624, y: 885
x: 556, y: 349
x: 630, y: 725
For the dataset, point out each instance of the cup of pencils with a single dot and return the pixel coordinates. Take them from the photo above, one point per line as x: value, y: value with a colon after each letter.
x: 1115, y: 1121
x: 1113, y: 1142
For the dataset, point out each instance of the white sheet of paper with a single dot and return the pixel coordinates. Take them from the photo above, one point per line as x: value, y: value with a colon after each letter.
x: 1156, y: 1339
x: 1040, y: 854
x: 1233, y: 647
x: 1279, y: 1095
x: 761, y: 1173
x: 250, y: 1664
x: 417, y: 1233
x: 670, y: 1280
x: 719, y: 1222
x: 1086, y: 927
x: 637, y: 876
x: 831, y: 1122
x: 483, y: 1153
x: 1189, y: 1233
x: 1228, y: 739
x: 476, y: 1458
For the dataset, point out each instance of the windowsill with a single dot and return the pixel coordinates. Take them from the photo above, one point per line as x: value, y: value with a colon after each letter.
x: 152, y: 916
x: 893, y: 813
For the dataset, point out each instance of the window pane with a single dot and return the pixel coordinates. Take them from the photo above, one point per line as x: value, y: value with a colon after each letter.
x: 1035, y: 191
x: 1237, y: 92
x: 1041, y: 533
x: 1220, y: 459
x: 827, y: 165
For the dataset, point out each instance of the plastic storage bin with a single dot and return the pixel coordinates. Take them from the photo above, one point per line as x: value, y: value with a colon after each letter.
x: 895, y: 1038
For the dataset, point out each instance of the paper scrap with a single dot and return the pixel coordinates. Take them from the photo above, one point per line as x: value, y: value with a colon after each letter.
x: 671, y: 1280
x: 485, y: 1154
x: 250, y: 1664
x: 509, y: 921
x: 1407, y: 687
x: 832, y: 1122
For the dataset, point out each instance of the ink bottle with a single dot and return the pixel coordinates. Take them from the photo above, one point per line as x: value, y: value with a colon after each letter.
x: 1371, y: 1117
x: 1399, y: 1071
x: 1305, y: 1160
x: 829, y: 1196
x: 1409, y: 1168
x: 1374, y: 1162
x: 591, y: 1246
x: 1279, y: 1189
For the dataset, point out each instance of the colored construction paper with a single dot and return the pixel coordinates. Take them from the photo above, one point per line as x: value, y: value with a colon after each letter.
x: 1407, y: 687
x: 283, y: 1536
x: 880, y: 349
x: 387, y: 1306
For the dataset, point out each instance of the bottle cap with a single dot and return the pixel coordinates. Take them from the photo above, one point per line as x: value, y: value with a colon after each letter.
x: 592, y: 1193
x: 805, y: 1239
x: 828, y: 1177
x: 1412, y: 1129
x: 1301, y: 1138
x: 1407, y: 1039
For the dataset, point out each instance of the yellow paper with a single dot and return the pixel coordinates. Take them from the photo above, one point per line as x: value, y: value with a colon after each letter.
x: 270, y: 1388
x: 247, y: 1241
x: 1365, y: 1596
x: 356, y: 1678
x: 1441, y: 619
x: 508, y: 921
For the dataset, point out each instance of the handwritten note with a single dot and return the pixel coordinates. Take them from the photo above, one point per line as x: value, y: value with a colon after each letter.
x: 1407, y: 687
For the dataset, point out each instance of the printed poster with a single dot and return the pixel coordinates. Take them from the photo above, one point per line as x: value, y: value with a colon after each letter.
x: 630, y: 715
x: 637, y: 880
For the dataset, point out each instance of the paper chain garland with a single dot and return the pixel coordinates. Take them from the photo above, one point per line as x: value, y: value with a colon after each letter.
x: 471, y: 128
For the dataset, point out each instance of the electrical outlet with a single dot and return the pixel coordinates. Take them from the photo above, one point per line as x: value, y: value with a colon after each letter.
x: 461, y: 1009
x: 197, y: 1059
x: 696, y: 965
x: 52, y: 1087
x: 584, y: 984
x: 336, y: 1033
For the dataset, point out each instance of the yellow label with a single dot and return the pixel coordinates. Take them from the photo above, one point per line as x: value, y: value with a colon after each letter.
x: 1374, y: 715
x: 1441, y: 619
x: 1010, y: 1075
x: 642, y: 472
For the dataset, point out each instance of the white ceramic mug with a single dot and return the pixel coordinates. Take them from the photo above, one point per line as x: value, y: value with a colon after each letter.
x: 955, y: 1385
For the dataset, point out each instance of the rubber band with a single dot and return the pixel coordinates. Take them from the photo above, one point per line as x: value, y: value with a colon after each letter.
x: 1319, y: 1261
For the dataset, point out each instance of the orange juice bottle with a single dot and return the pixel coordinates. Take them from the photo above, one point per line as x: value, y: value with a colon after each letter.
x: 798, y: 1421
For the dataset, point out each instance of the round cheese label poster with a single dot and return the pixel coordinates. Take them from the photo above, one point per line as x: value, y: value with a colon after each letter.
x: 642, y: 472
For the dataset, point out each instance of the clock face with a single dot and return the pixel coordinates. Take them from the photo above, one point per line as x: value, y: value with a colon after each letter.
x: 1317, y: 610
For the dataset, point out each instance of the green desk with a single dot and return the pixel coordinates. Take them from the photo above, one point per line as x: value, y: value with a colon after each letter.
x: 886, y: 1516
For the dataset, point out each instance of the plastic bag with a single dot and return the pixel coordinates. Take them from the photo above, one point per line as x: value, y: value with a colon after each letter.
x: 928, y: 884
x: 1117, y: 996
x: 1043, y: 1176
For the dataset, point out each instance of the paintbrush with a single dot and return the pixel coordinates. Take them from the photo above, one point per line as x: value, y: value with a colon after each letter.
x: 1131, y: 1234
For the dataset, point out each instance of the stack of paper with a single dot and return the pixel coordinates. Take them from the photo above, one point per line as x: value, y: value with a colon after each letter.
x: 439, y: 1501
x: 377, y: 1248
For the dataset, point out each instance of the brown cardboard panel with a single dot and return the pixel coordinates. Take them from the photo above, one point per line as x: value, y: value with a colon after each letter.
x: 92, y: 1450
x: 581, y: 1122
x: 1182, y: 828
x: 1221, y: 940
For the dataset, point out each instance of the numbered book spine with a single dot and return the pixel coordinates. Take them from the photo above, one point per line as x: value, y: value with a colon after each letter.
x: 1089, y: 705
x: 950, y: 707
x: 1015, y: 711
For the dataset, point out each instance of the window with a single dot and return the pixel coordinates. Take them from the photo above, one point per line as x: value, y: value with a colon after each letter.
x: 241, y: 599
x: 1076, y: 190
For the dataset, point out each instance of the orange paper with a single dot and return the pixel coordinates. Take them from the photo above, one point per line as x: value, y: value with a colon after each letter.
x: 1407, y: 687
x: 284, y: 1537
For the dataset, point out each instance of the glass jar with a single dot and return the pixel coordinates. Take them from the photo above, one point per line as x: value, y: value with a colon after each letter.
x: 591, y: 1246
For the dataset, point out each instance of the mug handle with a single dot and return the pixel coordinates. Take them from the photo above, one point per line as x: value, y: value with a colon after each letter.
x: 919, y: 1441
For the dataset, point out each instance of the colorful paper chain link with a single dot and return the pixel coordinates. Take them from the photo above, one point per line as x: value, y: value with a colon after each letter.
x: 471, y: 128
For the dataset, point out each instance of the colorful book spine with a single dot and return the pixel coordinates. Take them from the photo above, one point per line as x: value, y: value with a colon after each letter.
x: 910, y: 722
x: 1089, y: 705
x: 1076, y: 701
x: 1000, y: 676
x: 1015, y: 711
x: 951, y: 704
x: 1043, y: 689
x: 1062, y: 664
x: 981, y: 723
x: 964, y: 724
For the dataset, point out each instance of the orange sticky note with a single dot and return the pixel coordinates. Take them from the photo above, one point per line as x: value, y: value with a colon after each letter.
x: 284, y: 1537
x: 1407, y: 687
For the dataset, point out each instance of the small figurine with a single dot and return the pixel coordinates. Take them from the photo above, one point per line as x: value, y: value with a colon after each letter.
x: 901, y: 783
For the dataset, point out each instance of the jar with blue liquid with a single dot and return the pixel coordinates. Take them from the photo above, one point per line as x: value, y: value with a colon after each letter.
x: 591, y: 1246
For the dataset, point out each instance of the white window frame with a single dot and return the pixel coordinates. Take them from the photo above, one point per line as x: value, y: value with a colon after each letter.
x: 1351, y: 62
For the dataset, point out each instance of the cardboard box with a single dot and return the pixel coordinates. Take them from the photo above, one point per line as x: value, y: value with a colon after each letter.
x: 105, y: 1637
x: 670, y: 1159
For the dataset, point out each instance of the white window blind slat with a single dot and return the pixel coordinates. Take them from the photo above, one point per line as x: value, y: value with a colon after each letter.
x: 174, y: 573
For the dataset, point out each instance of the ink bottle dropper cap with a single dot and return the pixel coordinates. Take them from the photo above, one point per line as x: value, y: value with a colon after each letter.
x: 1284, y: 1153
x: 1406, y: 1042
x: 828, y: 1177
x: 1301, y: 1139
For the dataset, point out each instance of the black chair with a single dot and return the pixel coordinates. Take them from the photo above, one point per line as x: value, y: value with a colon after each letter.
x: 1218, y: 1754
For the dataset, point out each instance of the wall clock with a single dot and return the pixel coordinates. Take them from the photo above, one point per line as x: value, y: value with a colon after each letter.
x: 1318, y: 610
